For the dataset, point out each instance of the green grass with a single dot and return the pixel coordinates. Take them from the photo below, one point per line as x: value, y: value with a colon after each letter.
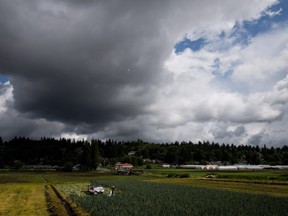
x: 270, y: 175
x: 21, y: 177
x: 22, y: 199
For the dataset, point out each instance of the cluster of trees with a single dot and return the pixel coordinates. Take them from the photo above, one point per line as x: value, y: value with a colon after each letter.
x: 67, y: 152
x: 64, y: 153
x: 195, y: 153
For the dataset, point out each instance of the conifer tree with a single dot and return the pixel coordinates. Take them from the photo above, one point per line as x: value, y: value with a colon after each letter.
x: 95, y: 158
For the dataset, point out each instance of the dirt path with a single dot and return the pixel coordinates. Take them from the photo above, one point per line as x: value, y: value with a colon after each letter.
x: 58, y: 205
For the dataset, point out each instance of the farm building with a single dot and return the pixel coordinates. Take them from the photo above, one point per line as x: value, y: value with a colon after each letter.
x: 250, y: 167
x: 192, y: 166
x: 228, y: 168
x: 123, y: 168
x: 211, y: 167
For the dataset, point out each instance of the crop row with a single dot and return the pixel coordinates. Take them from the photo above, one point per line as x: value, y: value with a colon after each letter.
x: 147, y: 198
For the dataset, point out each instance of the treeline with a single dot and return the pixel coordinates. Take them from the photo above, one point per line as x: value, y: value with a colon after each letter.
x: 66, y: 153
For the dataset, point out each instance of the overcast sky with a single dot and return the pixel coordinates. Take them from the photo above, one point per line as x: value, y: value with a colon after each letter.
x: 161, y: 71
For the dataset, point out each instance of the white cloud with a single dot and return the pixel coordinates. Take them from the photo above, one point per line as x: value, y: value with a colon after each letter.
x: 191, y: 102
x: 264, y: 59
x: 72, y: 136
x: 273, y: 13
x: 231, y: 113
x: 6, y: 96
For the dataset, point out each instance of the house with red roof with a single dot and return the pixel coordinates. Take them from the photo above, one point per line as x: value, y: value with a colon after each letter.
x: 123, y: 168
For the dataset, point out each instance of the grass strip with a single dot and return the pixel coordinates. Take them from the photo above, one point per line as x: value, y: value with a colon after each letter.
x: 71, y: 207
x: 54, y: 204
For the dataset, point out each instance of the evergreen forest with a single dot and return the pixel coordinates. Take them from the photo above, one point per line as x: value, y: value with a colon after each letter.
x: 68, y: 152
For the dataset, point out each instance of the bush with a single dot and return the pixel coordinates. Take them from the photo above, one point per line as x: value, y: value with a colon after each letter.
x: 185, y: 175
x: 148, y: 166
x: 182, y: 175
x: 68, y: 167
x: 171, y: 175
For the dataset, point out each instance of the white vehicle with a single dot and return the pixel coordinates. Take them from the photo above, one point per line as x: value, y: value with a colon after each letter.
x: 93, y: 189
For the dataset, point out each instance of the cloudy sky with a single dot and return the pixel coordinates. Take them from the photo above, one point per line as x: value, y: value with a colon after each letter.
x: 161, y: 71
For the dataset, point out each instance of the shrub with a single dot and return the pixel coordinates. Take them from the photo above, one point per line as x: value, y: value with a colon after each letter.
x: 148, y: 166
x: 185, y: 175
x: 68, y: 167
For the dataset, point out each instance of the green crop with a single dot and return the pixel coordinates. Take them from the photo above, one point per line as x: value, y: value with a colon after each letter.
x: 148, y: 198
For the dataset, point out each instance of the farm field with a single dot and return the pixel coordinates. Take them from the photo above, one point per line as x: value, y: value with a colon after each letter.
x: 153, y: 193
x: 148, y: 198
x: 22, y: 199
x: 274, y: 183
x: 29, y: 194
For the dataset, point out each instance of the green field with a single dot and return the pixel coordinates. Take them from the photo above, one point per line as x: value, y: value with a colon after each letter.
x: 158, y: 192
x: 148, y: 198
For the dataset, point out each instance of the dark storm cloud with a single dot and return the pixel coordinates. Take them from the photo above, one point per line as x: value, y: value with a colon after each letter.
x: 81, y: 62
x: 256, y: 139
x: 222, y: 132
x: 98, y: 68
x: 14, y: 125
x: 3, y: 88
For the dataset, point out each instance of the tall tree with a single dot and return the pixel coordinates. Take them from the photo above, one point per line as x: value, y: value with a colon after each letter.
x: 95, y: 157
x: 86, y: 157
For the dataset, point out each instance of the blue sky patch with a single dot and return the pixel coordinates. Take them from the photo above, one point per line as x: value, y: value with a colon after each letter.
x: 265, y: 22
x: 283, y: 15
x: 243, y: 31
x: 3, y: 79
x: 247, y: 29
x: 194, y: 45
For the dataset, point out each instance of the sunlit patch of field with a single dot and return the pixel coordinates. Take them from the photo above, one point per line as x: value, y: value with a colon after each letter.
x: 272, y: 189
x: 23, y: 199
